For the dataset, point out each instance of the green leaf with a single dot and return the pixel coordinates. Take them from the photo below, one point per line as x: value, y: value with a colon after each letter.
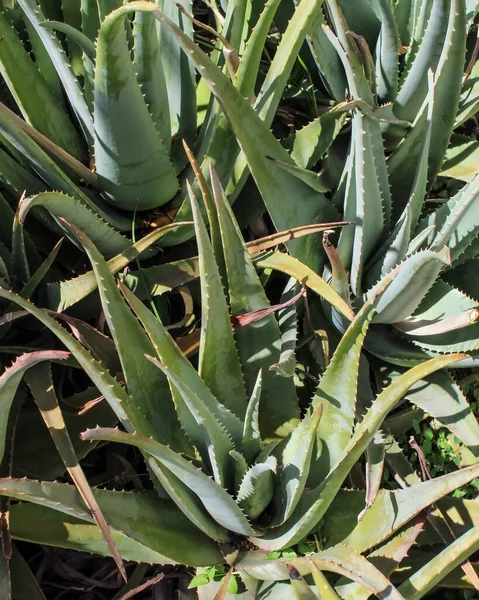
x: 259, y: 344
x: 313, y: 141
x: 108, y: 240
x: 35, y: 99
x: 179, y: 77
x: 441, y: 398
x: 346, y: 47
x: 375, y: 455
x: 387, y: 54
x: 150, y: 73
x: 32, y: 154
x: 295, y: 462
x: 173, y: 359
x: 314, y: 503
x: 393, y: 251
x: 144, y: 382
x: 443, y: 51
x: 145, y: 527
x: 294, y: 268
x: 10, y: 380
x: 368, y: 199
x: 413, y: 279
x: 326, y: 58
x: 389, y: 512
x: 159, y: 279
x: 461, y: 158
x: 408, y: 164
x: 219, y: 364
x: 257, y: 488
x: 288, y: 324
x: 215, y: 499
x: 257, y: 142
x: 59, y: 60
x: 323, y: 586
x: 299, y: 587
x: 451, y: 225
x: 202, y: 428
x: 198, y: 580
x: 339, y: 407
x: 252, y: 444
x: 387, y: 558
x: 75, y: 35
x: 40, y: 382
x: 219, y: 145
x: 132, y: 162
x: 106, y: 384
x: 30, y: 455
x: 340, y: 559
x: 426, y: 578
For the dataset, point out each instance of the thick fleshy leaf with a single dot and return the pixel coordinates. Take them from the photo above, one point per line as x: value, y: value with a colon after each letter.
x: 63, y: 294
x: 149, y: 73
x: 202, y: 428
x: 257, y: 487
x: 252, y: 444
x: 141, y: 523
x: 314, y: 504
x: 132, y: 162
x: 387, y: 557
x: 336, y: 427
x: 295, y: 461
x: 461, y: 158
x: 367, y: 199
x: 219, y: 364
x: 107, y: 239
x: 294, y: 268
x: 340, y: 559
x: 106, y: 384
x: 441, y: 398
x: 170, y: 355
x: 414, y: 277
x: 10, y: 380
x: 38, y: 104
x: 455, y: 221
x: 313, y: 141
x: 288, y: 324
x: 390, y: 511
x: 387, y: 55
x: 57, y: 56
x: 259, y: 344
x: 147, y: 387
x: 408, y: 164
x: 426, y: 578
x: 29, y: 455
x: 31, y: 154
x: 255, y: 139
x: 179, y: 77
x: 40, y: 382
x: 216, y: 500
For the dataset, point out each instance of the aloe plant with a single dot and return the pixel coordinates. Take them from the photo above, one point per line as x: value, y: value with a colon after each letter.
x: 234, y: 455
x: 235, y: 464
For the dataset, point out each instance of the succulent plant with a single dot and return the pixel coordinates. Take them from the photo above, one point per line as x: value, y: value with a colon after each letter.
x: 242, y: 465
x: 226, y: 445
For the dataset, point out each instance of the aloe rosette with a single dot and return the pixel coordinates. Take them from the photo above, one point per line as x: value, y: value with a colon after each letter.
x: 235, y: 459
x: 235, y: 464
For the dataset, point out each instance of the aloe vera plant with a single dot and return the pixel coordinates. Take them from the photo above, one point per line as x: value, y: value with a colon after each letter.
x: 236, y: 458
x: 236, y: 464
